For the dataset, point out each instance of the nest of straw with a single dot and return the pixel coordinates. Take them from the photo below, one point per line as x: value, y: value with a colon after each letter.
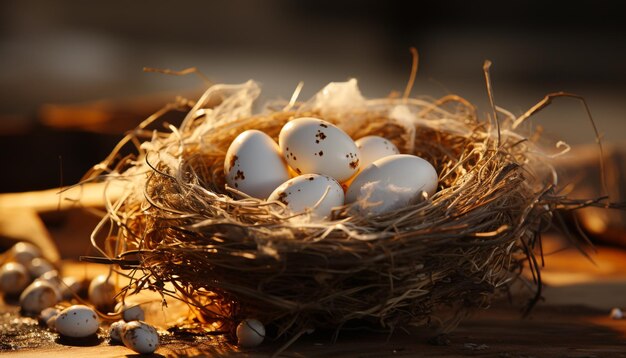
x: 186, y: 235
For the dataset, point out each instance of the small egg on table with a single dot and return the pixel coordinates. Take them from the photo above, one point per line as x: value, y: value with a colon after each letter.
x: 101, y: 291
x: 77, y: 321
x: 13, y: 278
x: 37, y: 296
x: 24, y: 253
x: 39, y: 266
x: 115, y: 331
x: 140, y: 337
x: 130, y: 312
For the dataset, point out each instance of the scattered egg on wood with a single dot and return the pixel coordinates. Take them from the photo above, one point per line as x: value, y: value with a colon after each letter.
x: 39, y: 266
x: 24, y: 253
x: 101, y: 291
x: 373, y: 148
x: 391, y: 183
x: 254, y: 164
x: 77, y: 321
x: 115, y: 330
x: 46, y: 314
x: 318, y: 193
x: 130, y: 312
x: 250, y: 333
x: 140, y: 337
x: 314, y: 146
x: 37, y: 296
x: 51, y: 276
x: 13, y: 278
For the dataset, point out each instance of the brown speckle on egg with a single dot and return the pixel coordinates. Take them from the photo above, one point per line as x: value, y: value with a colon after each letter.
x: 282, y: 197
x: 311, y: 178
x: 323, y: 125
x: 320, y: 136
x: 354, y: 164
x: 240, y: 175
x: 233, y: 161
x: 298, y: 171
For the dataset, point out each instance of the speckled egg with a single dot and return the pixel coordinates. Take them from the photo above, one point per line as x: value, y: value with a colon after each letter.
x: 390, y: 183
x: 77, y: 321
x: 314, y: 146
x: 130, y: 312
x: 101, y: 291
x: 250, y: 333
x: 37, y: 296
x: 115, y: 331
x: 254, y: 164
x: 374, y: 147
x: 319, y: 193
x: 13, y: 278
x: 140, y: 337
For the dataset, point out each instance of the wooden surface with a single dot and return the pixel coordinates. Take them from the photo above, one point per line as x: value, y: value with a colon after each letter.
x: 551, y: 331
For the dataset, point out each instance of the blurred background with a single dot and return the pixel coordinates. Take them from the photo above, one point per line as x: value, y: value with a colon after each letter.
x: 72, y: 81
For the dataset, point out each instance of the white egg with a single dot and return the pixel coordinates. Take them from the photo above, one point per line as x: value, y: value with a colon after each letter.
x: 39, y: 266
x: 391, y: 183
x: 101, y: 291
x: 319, y: 193
x: 13, y: 278
x: 51, y: 276
x: 250, y: 333
x: 314, y: 146
x: 254, y: 164
x: 617, y: 313
x: 374, y: 147
x: 37, y: 296
x: 130, y: 312
x: 47, y: 313
x: 24, y: 253
x: 77, y: 321
x: 140, y: 337
x: 115, y: 331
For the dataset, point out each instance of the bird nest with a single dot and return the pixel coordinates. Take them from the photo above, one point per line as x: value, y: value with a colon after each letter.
x: 186, y: 234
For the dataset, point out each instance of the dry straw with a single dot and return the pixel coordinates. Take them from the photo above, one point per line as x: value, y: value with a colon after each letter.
x: 184, y: 234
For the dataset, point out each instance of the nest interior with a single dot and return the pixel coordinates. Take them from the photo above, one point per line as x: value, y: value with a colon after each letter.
x: 232, y: 258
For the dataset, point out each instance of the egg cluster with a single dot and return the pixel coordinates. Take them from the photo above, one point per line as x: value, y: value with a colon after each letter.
x: 53, y: 299
x: 317, y: 167
x: 44, y: 293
